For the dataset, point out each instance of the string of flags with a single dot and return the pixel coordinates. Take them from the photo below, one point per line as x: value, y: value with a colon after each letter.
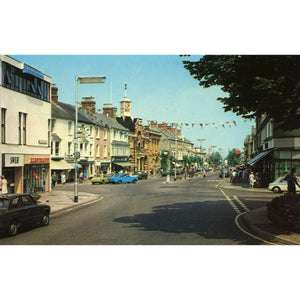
x: 203, y: 125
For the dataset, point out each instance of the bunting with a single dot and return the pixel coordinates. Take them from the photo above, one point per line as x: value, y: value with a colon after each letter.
x: 227, y: 124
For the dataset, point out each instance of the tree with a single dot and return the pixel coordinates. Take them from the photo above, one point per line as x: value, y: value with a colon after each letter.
x: 164, y: 159
x: 215, y: 159
x: 233, y: 157
x: 254, y: 84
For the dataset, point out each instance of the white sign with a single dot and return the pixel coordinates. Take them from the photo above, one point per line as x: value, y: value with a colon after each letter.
x: 14, y: 160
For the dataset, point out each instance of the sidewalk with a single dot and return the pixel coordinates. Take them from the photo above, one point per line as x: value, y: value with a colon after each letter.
x: 59, y: 200
x: 257, y: 221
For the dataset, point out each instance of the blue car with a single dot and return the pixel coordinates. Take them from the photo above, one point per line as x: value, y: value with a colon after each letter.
x: 120, y: 178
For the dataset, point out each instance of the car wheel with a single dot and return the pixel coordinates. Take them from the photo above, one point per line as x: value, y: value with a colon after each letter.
x: 134, y: 181
x: 276, y: 189
x: 45, y: 219
x: 120, y: 181
x: 13, y: 229
x: 93, y: 182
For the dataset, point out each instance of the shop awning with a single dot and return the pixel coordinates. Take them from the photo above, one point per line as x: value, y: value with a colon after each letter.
x: 73, y: 165
x: 60, y: 165
x: 124, y: 164
x: 258, y: 158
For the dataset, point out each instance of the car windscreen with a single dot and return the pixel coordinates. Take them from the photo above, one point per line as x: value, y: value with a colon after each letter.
x: 3, y: 204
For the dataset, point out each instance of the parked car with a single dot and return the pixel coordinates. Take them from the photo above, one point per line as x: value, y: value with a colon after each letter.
x: 280, y: 185
x: 122, y: 177
x: 100, y: 179
x: 224, y: 173
x: 20, y: 210
x: 141, y: 175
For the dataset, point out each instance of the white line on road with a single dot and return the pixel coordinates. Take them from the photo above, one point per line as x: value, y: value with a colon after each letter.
x: 241, y: 203
x: 236, y: 209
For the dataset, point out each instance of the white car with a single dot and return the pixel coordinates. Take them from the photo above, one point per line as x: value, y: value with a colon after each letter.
x: 280, y: 185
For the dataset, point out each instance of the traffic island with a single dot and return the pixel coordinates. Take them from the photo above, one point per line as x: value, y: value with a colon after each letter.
x: 284, y: 211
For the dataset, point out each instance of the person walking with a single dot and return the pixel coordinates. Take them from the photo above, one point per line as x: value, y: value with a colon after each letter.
x: 54, y: 179
x: 63, y: 178
x: 251, y: 180
x: 4, y: 185
x: 291, y: 182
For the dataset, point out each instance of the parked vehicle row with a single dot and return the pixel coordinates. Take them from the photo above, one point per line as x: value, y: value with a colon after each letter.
x: 115, y: 178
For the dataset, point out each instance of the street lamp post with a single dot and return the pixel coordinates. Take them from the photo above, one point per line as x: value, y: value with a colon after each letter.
x: 82, y: 80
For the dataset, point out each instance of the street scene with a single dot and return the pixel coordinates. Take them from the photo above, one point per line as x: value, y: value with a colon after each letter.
x: 92, y: 173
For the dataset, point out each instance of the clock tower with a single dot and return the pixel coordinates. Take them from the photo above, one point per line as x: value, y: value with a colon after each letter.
x: 125, y: 105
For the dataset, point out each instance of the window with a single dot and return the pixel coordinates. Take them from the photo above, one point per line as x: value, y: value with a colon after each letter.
x: 24, y: 128
x: 56, y: 148
x: 91, y: 149
x: 27, y: 201
x: 69, y: 147
x: 49, y: 132
x: 15, y: 203
x: 70, y: 127
x: 3, y: 125
x: 91, y: 130
x: 15, y: 79
x: 105, y: 150
x: 20, y: 128
x: 105, y: 133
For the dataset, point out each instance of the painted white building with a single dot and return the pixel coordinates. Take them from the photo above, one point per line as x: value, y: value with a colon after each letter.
x: 25, y: 126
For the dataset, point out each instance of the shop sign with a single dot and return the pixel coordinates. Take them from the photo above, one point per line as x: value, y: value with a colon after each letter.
x: 119, y: 159
x: 39, y: 160
x: 13, y: 160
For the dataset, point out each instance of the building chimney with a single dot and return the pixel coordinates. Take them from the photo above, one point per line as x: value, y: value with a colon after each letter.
x: 163, y: 126
x: 88, y: 103
x: 54, y: 95
x: 109, y: 111
x: 153, y: 124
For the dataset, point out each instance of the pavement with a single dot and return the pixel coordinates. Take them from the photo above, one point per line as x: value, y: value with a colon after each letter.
x: 256, y: 220
x: 61, y: 201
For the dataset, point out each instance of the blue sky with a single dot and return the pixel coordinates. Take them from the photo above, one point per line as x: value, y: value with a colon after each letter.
x: 158, y: 86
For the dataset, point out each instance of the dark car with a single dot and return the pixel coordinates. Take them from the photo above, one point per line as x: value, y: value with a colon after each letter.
x: 19, y: 210
x: 224, y: 173
x: 141, y: 175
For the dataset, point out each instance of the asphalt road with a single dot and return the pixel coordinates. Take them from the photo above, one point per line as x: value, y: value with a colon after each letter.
x: 151, y: 212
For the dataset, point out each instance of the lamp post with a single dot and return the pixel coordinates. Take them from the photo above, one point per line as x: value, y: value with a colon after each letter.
x: 82, y: 80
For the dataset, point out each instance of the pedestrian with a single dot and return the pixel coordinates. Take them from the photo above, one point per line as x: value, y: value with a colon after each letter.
x: 291, y: 182
x: 81, y: 177
x: 54, y: 179
x: 233, y: 177
x: 3, y: 185
x: 251, y: 180
x: 63, y: 178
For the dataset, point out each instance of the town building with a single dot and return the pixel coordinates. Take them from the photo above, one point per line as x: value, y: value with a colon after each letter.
x: 276, y: 152
x: 25, y: 135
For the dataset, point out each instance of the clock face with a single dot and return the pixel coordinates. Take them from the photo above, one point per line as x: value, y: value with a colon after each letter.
x: 127, y: 105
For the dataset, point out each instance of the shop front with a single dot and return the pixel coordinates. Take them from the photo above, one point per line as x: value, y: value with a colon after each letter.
x: 120, y: 164
x: 13, y: 165
x: 36, y: 173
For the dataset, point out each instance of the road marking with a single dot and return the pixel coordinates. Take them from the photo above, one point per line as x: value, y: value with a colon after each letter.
x: 241, y: 203
x: 236, y: 209
x: 248, y: 233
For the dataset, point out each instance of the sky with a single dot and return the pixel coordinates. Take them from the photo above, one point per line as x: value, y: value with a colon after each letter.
x: 159, y: 87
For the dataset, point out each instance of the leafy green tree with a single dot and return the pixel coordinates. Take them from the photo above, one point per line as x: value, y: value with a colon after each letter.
x: 233, y: 157
x: 164, y: 162
x: 215, y: 159
x: 254, y: 84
